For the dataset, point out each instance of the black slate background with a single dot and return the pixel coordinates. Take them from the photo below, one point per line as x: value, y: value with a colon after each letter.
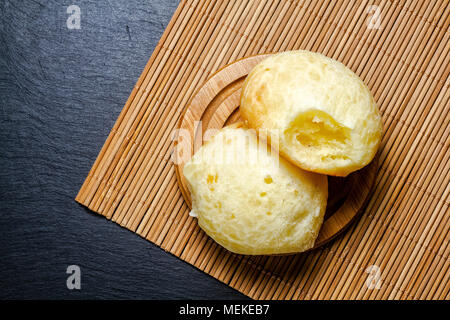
x: 61, y: 91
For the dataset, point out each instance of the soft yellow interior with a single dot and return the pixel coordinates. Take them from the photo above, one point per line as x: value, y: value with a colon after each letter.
x: 316, y: 128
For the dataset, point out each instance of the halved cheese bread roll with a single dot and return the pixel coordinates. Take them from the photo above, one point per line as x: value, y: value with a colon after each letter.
x: 326, y: 117
x: 250, y: 200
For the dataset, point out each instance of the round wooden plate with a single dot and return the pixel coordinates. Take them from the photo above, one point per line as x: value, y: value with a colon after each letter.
x: 216, y: 104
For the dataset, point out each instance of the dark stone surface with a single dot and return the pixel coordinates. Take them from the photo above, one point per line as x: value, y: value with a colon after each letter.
x: 61, y: 91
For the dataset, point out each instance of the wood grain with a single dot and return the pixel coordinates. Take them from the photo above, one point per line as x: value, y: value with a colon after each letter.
x: 404, y: 230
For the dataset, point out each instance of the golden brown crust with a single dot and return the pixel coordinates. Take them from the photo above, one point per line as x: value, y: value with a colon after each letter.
x: 326, y: 117
x: 249, y: 205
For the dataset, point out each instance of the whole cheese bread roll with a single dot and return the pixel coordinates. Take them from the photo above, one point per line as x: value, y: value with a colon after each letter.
x: 326, y: 117
x: 251, y: 201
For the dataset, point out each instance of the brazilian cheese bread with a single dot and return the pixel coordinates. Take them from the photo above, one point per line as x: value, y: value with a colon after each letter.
x: 326, y: 117
x: 251, y: 201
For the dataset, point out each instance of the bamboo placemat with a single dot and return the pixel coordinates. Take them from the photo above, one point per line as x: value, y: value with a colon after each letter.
x: 399, y: 247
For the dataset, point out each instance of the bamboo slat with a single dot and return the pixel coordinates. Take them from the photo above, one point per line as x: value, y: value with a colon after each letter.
x: 403, y: 234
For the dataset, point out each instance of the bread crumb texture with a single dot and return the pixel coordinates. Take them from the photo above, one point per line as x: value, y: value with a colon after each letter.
x: 252, y: 201
x: 326, y: 117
